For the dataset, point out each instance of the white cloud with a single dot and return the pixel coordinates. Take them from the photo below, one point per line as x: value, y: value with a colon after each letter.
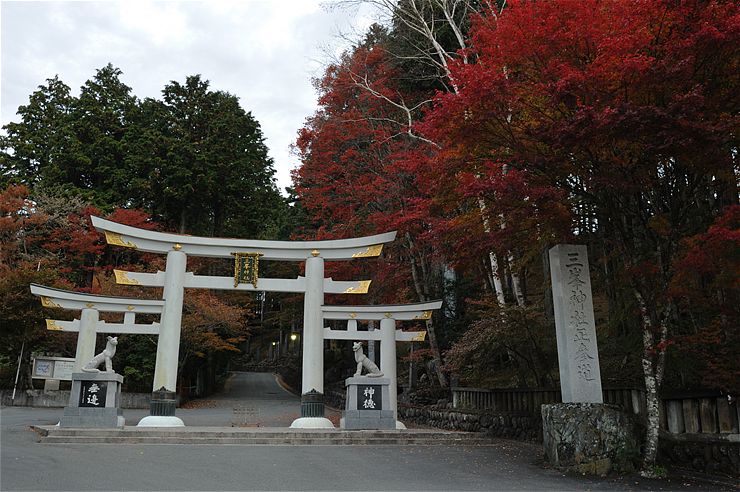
x: 161, y: 23
x: 263, y: 51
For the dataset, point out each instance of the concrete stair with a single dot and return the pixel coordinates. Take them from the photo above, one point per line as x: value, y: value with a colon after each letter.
x: 259, y: 436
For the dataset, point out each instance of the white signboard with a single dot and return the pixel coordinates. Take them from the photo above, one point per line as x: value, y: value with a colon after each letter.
x: 63, y: 369
x: 59, y: 368
x: 43, y: 368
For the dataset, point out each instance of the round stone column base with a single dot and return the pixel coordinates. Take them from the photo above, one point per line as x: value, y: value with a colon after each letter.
x: 161, y: 421
x: 312, y: 423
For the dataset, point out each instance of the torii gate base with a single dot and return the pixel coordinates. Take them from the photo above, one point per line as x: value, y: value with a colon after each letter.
x: 312, y: 412
x: 162, y: 411
x: 161, y: 421
x: 312, y: 423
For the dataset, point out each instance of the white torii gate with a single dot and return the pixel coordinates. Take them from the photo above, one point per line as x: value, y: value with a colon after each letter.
x: 89, y: 323
x: 388, y: 335
x: 175, y: 279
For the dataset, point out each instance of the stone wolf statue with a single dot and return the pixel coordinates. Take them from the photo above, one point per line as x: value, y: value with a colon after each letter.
x: 104, y: 356
x: 363, y: 361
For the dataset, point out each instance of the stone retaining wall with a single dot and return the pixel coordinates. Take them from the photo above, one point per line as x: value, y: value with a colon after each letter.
x: 500, y: 424
x: 717, y: 454
x: 60, y: 399
x: 712, y: 454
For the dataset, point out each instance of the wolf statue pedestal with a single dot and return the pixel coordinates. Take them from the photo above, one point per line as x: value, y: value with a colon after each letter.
x: 95, y: 401
x: 367, y: 404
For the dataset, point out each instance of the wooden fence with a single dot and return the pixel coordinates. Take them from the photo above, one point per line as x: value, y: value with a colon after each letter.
x: 699, y: 412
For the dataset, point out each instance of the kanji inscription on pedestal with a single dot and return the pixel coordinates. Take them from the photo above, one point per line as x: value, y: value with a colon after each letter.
x: 578, y: 355
x: 369, y: 397
x: 92, y: 394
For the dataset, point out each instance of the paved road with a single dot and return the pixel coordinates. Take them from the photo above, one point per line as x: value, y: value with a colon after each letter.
x: 248, y: 399
x: 508, y: 465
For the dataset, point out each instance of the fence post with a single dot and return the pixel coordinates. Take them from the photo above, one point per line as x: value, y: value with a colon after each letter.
x: 724, y: 415
x: 707, y: 415
x: 691, y: 415
x: 674, y: 416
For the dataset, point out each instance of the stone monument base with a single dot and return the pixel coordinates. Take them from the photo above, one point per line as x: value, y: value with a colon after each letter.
x: 367, y: 404
x: 94, y: 401
x: 588, y: 438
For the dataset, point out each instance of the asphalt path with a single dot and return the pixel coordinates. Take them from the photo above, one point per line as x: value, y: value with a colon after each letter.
x: 26, y: 464
x: 249, y: 399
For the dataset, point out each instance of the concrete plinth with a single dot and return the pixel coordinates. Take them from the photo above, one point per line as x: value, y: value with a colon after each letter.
x: 588, y: 437
x: 368, y: 404
x: 94, y: 401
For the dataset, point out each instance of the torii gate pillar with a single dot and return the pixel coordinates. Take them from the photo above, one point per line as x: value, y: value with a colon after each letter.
x: 312, y: 412
x: 165, y: 372
x: 86, y: 338
x: 164, y: 396
x: 388, y: 360
x: 313, y: 328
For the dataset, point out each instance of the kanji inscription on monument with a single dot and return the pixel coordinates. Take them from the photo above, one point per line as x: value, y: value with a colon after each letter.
x: 578, y: 355
x: 369, y: 397
x: 92, y: 394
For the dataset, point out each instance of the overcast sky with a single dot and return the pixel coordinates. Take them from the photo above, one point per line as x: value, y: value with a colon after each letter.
x: 263, y: 51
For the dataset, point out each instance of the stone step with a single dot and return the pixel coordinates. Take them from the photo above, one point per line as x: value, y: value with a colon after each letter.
x: 261, y: 431
x: 133, y: 435
x: 255, y: 441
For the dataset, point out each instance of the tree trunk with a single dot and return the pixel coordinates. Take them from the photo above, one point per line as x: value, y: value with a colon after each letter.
x: 436, y: 355
x: 218, y: 218
x: 497, y: 284
x: 419, y: 286
x: 28, y: 376
x: 516, y: 283
x: 182, y: 221
x: 653, y: 366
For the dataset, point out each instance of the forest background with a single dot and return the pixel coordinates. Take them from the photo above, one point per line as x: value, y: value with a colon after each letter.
x: 484, y: 132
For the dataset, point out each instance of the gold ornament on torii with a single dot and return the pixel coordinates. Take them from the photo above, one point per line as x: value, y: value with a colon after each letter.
x: 246, y: 268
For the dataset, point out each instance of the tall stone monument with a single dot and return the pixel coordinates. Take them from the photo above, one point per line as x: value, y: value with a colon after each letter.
x: 582, y: 433
x: 578, y: 355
